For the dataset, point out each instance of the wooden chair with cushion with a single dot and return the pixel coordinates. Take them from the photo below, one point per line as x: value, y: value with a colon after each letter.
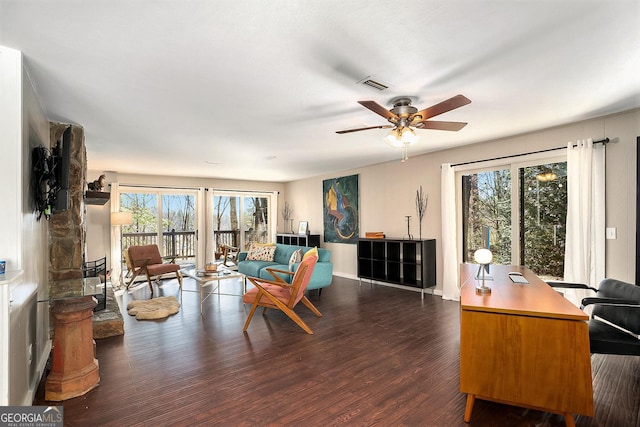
x: 147, y: 260
x: 230, y: 256
x: 281, y: 295
x: 130, y: 269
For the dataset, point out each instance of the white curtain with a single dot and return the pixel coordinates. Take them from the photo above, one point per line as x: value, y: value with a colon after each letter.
x: 273, y: 215
x: 116, y: 248
x: 207, y: 221
x: 203, y: 227
x: 585, y: 240
x: 450, y: 288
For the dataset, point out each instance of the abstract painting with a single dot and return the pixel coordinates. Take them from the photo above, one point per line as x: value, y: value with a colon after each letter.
x: 341, y: 209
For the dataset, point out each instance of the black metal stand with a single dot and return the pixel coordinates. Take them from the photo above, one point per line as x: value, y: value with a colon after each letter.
x: 98, y: 268
x: 409, y: 236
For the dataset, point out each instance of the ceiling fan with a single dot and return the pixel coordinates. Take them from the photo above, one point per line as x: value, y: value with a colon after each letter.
x: 404, y: 117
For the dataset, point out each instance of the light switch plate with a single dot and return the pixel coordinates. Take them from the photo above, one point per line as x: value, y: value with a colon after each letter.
x: 611, y: 233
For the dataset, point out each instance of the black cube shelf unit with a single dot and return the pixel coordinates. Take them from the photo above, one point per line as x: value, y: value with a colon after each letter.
x: 398, y: 261
x: 309, y: 240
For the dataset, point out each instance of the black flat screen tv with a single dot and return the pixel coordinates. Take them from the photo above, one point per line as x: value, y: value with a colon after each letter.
x: 62, y: 164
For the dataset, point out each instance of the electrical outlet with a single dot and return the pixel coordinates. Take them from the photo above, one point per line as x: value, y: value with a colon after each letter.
x: 611, y: 233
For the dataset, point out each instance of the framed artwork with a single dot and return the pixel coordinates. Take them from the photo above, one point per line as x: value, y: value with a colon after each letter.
x: 303, y: 227
x: 341, y: 213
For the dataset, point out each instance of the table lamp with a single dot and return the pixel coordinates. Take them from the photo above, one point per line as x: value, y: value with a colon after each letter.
x: 483, y: 257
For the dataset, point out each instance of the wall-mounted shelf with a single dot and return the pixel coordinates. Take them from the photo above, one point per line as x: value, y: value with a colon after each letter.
x: 96, y: 197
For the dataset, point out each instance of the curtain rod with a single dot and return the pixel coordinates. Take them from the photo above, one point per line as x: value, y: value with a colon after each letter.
x: 242, y: 191
x: 165, y: 187
x: 157, y: 187
x: 600, y: 141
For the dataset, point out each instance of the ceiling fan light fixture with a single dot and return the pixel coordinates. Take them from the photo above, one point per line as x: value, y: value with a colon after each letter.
x: 409, y: 136
x: 393, y: 138
x: 401, y: 137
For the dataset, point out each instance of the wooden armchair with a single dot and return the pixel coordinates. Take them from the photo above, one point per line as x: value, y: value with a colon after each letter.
x: 281, y: 295
x: 230, y: 256
x: 146, y: 259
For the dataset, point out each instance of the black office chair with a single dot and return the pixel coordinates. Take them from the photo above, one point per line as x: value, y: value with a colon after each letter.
x: 614, y: 326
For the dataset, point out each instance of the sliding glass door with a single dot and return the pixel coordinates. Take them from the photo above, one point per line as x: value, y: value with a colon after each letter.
x: 519, y: 212
x: 486, y: 209
x: 161, y: 216
x: 240, y: 219
x: 543, y: 212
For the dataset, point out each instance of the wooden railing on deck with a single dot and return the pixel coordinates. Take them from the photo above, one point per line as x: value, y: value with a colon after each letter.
x: 181, y: 244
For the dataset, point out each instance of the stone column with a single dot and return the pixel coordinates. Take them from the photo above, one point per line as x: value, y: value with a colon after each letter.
x: 67, y: 229
x: 75, y: 368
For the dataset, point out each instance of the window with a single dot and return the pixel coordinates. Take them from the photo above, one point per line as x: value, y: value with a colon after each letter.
x: 486, y: 203
x: 163, y: 217
x: 241, y: 219
x: 543, y: 211
x: 519, y: 212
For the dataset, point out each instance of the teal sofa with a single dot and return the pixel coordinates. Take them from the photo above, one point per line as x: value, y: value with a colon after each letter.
x: 322, y: 273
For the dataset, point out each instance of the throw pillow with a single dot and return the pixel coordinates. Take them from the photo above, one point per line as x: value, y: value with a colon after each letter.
x: 296, y: 257
x: 254, y: 244
x: 311, y: 252
x: 261, y: 252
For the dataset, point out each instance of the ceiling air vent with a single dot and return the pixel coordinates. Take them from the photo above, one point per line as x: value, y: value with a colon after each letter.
x: 368, y: 81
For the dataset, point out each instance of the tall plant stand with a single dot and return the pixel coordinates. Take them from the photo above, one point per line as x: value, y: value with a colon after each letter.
x: 74, y: 369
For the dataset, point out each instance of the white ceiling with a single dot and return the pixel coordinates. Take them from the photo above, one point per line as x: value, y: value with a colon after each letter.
x: 256, y: 89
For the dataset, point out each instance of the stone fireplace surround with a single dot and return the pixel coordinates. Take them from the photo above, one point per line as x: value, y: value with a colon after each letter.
x: 67, y: 229
x: 67, y: 237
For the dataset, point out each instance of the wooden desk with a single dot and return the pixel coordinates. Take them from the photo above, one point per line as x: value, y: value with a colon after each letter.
x: 523, y: 345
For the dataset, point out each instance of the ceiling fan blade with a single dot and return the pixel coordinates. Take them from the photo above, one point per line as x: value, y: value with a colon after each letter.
x: 367, y: 128
x: 378, y: 109
x: 433, y: 124
x: 448, y: 105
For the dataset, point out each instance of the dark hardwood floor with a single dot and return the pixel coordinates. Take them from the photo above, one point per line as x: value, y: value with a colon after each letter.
x: 379, y: 357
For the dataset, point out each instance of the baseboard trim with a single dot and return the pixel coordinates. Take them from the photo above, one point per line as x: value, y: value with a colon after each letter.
x: 432, y: 291
x: 37, y: 378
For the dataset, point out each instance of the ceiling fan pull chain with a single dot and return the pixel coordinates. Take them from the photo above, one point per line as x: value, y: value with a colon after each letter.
x: 405, y: 149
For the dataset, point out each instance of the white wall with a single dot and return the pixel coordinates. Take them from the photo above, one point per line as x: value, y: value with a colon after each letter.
x: 25, y: 344
x: 98, y: 232
x: 388, y: 190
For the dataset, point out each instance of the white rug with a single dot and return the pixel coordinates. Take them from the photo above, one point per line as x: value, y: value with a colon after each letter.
x: 156, y: 308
